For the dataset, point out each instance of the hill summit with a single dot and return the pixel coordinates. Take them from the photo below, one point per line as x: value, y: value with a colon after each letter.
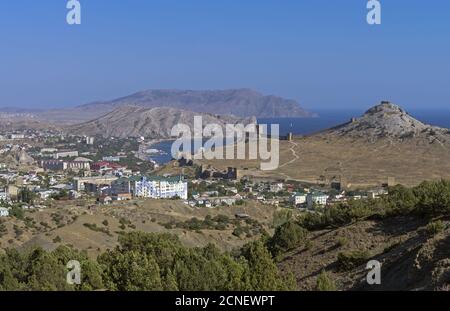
x: 388, y: 120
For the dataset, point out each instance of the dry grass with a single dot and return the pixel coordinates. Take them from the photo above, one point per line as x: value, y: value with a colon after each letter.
x: 143, y: 215
x: 363, y: 164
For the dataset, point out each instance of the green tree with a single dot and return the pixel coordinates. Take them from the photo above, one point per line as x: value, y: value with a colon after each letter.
x: 287, y: 237
x: 263, y: 273
x: 325, y: 283
x: 130, y: 271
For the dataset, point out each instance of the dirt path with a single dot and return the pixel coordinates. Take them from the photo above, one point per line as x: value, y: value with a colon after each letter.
x: 294, y: 153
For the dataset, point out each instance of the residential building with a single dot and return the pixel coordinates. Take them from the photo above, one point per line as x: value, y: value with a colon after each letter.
x: 48, y: 150
x: 160, y: 187
x: 79, y: 182
x: 79, y: 164
x: 298, y: 198
x: 65, y: 154
x: 59, y: 165
x: 121, y: 185
x: 16, y: 136
x: 13, y: 191
x: 121, y: 197
x: 105, y: 166
x: 4, y: 195
x: 4, y: 212
x: 316, y: 198
x: 105, y: 199
x: 89, y: 140
x: 374, y: 194
x: 112, y: 159
x: 54, y: 165
x: 277, y: 187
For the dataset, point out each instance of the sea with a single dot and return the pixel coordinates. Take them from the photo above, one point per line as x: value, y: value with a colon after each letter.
x: 307, y: 126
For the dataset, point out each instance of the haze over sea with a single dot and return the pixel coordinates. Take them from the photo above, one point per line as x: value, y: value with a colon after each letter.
x: 326, y: 119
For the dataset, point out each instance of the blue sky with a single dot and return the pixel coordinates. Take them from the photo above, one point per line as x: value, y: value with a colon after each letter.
x: 319, y: 52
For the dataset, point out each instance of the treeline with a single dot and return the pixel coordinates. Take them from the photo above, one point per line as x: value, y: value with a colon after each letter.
x: 146, y: 261
x: 429, y: 199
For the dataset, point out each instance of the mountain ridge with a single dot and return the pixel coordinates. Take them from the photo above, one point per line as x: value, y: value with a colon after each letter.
x: 239, y: 102
x: 157, y: 122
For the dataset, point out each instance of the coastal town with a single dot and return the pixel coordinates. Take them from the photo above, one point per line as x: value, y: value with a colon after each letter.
x: 41, y: 166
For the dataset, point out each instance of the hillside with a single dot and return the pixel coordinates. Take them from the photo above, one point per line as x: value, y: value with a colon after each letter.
x: 384, y: 142
x: 411, y: 258
x: 136, y: 121
x: 10, y: 120
x: 389, y: 121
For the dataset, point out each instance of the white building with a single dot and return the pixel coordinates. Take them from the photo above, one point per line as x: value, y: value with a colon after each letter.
x: 89, y: 140
x: 65, y: 154
x: 4, y: 195
x: 276, y: 187
x: 160, y: 187
x: 112, y: 159
x: 298, y: 198
x: 48, y: 150
x: 4, y: 212
x: 316, y: 198
x: 16, y: 136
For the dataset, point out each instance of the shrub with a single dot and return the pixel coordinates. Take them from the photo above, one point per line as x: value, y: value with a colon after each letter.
x: 238, y: 231
x: 287, y: 237
x: 57, y: 239
x: 95, y: 228
x: 435, y: 227
x: 325, y: 283
x: 341, y: 241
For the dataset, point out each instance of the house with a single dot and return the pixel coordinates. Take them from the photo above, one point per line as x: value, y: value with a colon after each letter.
x: 112, y: 159
x: 277, y: 187
x: 45, y: 194
x: 13, y: 191
x: 48, y: 150
x: 16, y: 136
x: 298, y: 198
x: 4, y: 195
x: 316, y: 198
x: 79, y: 183
x: 4, y: 212
x: 374, y: 194
x: 89, y: 140
x: 105, y: 199
x: 105, y: 166
x: 224, y: 200
x: 121, y: 196
x: 74, y: 194
x: 65, y: 154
